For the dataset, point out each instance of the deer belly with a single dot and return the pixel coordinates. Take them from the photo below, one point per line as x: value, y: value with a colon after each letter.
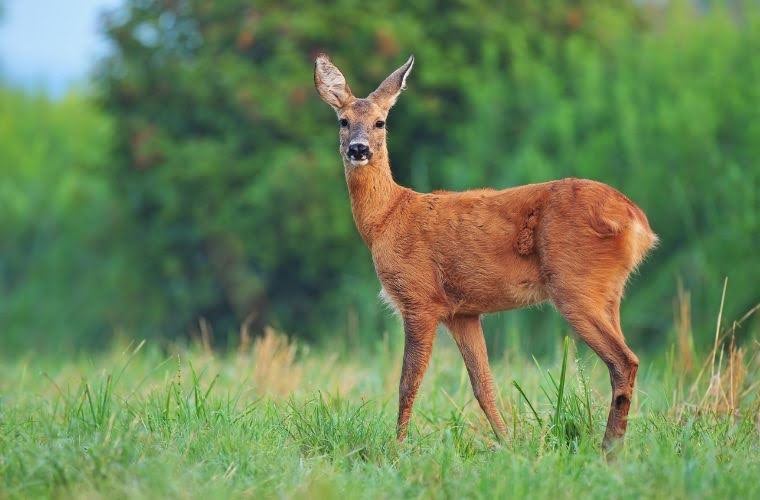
x: 493, y: 293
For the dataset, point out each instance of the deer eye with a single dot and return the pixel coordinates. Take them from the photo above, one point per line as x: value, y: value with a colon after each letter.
x: 379, y: 124
x: 343, y: 122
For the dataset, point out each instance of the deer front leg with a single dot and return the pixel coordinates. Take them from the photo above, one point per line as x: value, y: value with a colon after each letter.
x: 468, y: 334
x: 419, y: 336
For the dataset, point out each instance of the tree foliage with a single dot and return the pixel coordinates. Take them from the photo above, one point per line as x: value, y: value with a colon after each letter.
x: 63, y: 269
x: 228, y: 159
x: 225, y: 169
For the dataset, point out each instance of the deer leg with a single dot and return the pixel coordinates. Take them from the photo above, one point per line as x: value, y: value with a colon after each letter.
x: 598, y: 330
x: 632, y: 364
x: 613, y: 312
x: 418, y: 345
x: 468, y: 334
x: 623, y: 383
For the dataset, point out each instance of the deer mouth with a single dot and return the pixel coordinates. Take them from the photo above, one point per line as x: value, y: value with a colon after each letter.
x: 356, y: 162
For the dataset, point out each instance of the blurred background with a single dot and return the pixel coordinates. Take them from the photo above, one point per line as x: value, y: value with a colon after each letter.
x: 166, y: 167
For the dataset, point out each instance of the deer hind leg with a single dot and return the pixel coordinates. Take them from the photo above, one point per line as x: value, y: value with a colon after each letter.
x: 418, y: 345
x: 468, y: 334
x: 598, y: 325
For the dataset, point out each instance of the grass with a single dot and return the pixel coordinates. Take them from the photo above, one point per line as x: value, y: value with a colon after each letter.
x: 277, y: 420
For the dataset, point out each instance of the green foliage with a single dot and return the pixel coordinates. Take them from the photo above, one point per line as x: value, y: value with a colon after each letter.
x: 227, y: 159
x: 64, y: 266
x: 212, y: 187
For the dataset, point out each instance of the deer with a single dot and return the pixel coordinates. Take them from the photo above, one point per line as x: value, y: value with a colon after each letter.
x: 451, y: 257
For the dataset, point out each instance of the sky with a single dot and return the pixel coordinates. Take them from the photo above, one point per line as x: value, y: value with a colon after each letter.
x: 50, y: 45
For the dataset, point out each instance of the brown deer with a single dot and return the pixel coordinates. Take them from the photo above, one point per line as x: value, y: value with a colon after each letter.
x: 449, y: 257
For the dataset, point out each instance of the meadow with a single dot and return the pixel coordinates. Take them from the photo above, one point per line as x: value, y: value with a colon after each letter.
x: 192, y: 185
x: 273, y: 418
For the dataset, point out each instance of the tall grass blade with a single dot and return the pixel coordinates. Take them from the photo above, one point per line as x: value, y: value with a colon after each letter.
x: 530, y: 405
x: 561, y: 388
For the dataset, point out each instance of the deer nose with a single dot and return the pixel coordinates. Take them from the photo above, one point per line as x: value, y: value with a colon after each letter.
x: 358, y: 151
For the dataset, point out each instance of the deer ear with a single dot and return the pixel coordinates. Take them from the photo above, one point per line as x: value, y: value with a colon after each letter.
x: 386, y: 94
x: 330, y: 83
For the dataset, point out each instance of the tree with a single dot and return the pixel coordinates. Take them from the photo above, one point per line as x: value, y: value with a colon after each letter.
x: 227, y: 162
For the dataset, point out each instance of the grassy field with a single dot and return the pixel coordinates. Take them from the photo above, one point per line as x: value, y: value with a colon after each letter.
x: 276, y: 420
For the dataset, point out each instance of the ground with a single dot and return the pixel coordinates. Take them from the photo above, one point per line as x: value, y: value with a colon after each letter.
x: 277, y: 420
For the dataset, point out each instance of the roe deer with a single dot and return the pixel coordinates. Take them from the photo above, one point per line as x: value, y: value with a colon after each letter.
x: 448, y: 257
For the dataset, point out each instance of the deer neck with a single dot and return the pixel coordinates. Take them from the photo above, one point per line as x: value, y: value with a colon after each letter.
x: 373, y: 194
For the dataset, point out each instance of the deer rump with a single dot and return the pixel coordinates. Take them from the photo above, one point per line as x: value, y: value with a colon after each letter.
x: 485, y: 250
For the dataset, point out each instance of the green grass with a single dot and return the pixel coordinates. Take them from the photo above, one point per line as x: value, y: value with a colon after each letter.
x: 273, y: 420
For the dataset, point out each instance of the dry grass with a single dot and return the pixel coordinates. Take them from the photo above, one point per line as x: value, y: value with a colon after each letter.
x: 684, y: 334
x: 275, y: 370
x: 726, y: 363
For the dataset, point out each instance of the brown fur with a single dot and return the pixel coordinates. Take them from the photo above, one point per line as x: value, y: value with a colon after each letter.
x: 449, y: 257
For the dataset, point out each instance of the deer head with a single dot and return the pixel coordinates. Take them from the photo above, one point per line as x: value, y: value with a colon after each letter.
x: 362, y: 121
